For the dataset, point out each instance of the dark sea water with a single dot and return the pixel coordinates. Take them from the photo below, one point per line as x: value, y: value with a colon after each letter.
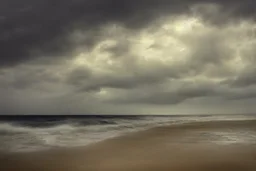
x: 32, y: 133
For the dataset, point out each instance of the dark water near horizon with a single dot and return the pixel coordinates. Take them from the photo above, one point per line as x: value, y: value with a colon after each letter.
x: 32, y: 133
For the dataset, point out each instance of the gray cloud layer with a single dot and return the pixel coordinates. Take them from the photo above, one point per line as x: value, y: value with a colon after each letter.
x: 124, y: 57
x: 39, y: 27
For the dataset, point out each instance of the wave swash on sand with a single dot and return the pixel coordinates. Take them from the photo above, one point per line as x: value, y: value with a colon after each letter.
x: 149, y: 143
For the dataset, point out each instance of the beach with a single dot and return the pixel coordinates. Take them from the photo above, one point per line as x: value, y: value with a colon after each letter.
x: 197, y: 146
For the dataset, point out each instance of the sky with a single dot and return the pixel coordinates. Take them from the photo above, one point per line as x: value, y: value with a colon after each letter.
x: 127, y: 56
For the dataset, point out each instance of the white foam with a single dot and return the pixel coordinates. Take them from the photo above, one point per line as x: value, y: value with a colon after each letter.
x: 21, y: 138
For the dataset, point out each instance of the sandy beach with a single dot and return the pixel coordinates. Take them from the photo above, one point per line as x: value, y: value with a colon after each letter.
x: 186, y: 147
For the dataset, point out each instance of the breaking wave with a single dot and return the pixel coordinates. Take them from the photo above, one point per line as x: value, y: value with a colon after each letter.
x: 39, y: 133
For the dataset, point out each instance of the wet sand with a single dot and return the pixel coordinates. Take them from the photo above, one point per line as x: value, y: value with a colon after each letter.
x: 187, y: 147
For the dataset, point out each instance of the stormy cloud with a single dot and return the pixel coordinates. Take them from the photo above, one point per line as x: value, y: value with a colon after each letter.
x: 39, y: 28
x: 127, y: 57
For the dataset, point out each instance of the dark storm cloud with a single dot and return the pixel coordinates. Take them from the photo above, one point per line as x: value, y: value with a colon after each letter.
x: 104, y: 56
x: 28, y: 77
x: 176, y: 95
x: 85, y: 81
x: 245, y: 79
x: 167, y: 98
x: 35, y: 28
x: 208, y: 53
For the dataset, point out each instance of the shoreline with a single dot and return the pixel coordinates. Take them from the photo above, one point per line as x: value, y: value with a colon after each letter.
x: 177, y: 147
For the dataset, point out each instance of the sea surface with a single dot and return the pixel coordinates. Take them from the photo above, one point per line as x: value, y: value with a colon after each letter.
x: 33, y: 133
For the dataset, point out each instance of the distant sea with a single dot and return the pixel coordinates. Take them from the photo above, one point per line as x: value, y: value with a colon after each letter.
x: 33, y: 133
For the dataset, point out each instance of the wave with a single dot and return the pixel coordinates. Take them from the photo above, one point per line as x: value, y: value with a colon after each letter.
x: 46, y: 123
x: 44, y: 133
x: 23, y: 137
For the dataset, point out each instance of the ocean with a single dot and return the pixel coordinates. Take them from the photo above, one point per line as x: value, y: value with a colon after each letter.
x: 34, y: 133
